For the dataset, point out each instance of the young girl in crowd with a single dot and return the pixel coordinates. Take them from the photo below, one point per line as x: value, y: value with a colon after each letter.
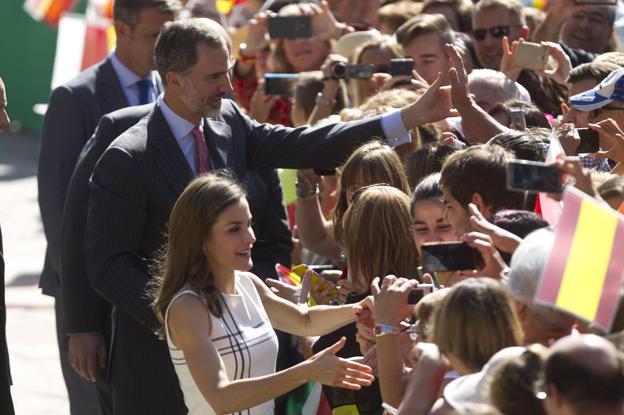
x: 429, y: 223
x: 378, y: 242
x: 218, y: 319
x: 371, y: 163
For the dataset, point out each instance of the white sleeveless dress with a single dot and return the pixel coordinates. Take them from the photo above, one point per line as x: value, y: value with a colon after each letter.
x: 244, y: 338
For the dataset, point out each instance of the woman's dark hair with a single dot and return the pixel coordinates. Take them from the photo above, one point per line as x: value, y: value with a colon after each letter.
x: 547, y: 94
x: 525, y: 145
x: 428, y: 188
x: 371, y: 163
x: 533, y: 116
x: 514, y: 383
x: 425, y: 161
x: 306, y: 90
x: 182, y: 261
x: 519, y: 222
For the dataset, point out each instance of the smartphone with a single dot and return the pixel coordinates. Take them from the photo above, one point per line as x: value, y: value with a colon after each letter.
x: 280, y: 84
x: 531, y: 56
x: 325, y: 172
x: 343, y: 70
x: 415, y: 296
x: 402, y: 66
x: 290, y: 27
x: 590, y: 142
x: 533, y: 177
x: 517, y: 119
x: 450, y: 256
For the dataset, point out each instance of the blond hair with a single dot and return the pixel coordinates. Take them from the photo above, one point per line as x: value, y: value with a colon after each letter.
x: 378, y: 238
x: 475, y: 320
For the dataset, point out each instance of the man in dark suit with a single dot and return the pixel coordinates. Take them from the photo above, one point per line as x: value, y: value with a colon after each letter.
x: 6, y: 403
x: 140, y: 176
x: 82, y: 305
x: 125, y: 78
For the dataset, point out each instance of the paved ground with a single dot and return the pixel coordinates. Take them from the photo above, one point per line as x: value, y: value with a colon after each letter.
x: 38, y: 386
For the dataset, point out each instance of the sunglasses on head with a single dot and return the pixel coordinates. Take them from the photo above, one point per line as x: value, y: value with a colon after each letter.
x: 496, y: 31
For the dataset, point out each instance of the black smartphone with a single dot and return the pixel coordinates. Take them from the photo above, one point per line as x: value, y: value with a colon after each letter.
x: 290, y: 27
x: 450, y: 256
x: 401, y: 66
x: 415, y: 296
x: 533, y: 177
x: 590, y: 143
x: 343, y: 70
x: 280, y: 84
x: 325, y: 172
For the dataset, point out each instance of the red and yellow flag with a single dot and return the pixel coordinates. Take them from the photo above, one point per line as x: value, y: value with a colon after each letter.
x: 586, y: 265
x: 48, y: 11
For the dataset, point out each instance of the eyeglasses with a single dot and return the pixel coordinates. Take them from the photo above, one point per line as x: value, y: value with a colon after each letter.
x: 497, y: 31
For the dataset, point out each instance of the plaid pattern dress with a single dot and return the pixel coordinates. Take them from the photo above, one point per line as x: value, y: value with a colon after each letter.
x: 244, y: 338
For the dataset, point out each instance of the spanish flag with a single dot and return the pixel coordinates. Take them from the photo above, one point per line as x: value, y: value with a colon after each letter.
x: 48, y: 11
x: 586, y: 265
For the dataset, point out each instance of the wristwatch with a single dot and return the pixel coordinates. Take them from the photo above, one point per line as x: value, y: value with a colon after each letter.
x: 382, y: 329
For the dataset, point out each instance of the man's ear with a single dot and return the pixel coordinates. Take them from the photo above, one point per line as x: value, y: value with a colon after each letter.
x: 483, y: 207
x: 121, y: 28
x: 524, y: 32
x: 173, y: 80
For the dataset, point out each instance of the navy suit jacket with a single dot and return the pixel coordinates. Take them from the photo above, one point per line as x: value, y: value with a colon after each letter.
x: 74, y: 111
x: 84, y: 309
x: 133, y: 189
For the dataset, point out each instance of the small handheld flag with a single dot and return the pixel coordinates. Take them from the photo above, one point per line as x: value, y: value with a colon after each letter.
x: 48, y: 11
x: 586, y: 265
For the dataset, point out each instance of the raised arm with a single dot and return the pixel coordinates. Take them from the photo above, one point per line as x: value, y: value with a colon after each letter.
x: 315, y: 233
x: 558, y: 13
x: 189, y: 325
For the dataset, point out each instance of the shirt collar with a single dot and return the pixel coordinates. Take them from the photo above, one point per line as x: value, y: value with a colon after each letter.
x: 179, y: 126
x: 125, y: 74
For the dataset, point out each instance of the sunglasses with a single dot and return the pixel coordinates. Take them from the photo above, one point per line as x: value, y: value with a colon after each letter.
x: 497, y: 31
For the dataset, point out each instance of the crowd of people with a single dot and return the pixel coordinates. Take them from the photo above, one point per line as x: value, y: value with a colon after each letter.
x: 162, y: 176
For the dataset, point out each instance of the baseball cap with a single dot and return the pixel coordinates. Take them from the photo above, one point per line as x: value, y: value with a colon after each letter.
x: 609, y: 90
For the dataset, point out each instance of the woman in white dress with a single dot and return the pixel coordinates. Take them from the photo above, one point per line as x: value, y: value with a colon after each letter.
x: 218, y: 319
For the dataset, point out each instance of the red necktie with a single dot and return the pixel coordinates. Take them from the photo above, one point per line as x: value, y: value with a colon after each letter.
x: 201, y: 150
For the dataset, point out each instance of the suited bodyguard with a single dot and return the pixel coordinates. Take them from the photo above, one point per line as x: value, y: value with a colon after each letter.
x: 124, y: 78
x: 141, y: 174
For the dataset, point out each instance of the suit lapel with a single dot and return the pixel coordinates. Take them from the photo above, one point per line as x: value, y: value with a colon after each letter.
x: 170, y: 160
x: 217, y: 134
x: 109, y: 88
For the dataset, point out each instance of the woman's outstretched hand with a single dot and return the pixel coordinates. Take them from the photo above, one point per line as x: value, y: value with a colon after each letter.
x: 328, y: 369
